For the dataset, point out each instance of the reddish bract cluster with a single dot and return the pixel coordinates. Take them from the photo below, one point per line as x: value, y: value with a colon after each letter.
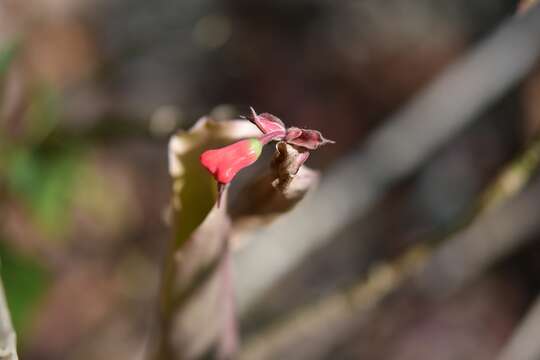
x: 224, y: 163
x: 303, y: 138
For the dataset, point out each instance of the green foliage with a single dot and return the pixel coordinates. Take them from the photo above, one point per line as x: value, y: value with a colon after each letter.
x: 44, y: 182
x: 38, y: 174
x: 32, y: 177
x: 43, y: 113
x: 25, y: 282
x: 7, y: 54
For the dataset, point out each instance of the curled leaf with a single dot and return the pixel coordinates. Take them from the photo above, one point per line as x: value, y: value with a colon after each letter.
x: 194, y: 188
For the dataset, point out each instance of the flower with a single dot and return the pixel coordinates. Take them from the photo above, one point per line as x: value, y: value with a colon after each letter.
x: 224, y: 163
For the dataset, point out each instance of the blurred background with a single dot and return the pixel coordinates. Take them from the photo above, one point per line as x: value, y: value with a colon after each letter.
x: 91, y: 90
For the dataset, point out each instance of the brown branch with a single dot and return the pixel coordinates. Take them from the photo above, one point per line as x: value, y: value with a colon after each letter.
x: 470, y: 252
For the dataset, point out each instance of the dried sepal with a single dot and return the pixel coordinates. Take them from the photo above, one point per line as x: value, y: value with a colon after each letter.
x: 268, y: 123
x: 276, y: 191
x: 286, y: 163
x: 309, y: 139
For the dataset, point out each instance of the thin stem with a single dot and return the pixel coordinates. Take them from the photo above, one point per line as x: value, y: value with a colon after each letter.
x: 8, y: 339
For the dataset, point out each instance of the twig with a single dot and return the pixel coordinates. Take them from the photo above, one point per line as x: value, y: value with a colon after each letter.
x: 335, y: 312
x: 524, y: 344
x: 467, y: 254
x: 8, y: 339
x: 398, y: 148
x: 512, y: 178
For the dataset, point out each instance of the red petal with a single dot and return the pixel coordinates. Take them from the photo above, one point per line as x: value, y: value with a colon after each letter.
x: 210, y: 159
x: 225, y: 162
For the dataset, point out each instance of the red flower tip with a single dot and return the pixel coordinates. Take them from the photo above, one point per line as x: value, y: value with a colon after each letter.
x: 224, y: 163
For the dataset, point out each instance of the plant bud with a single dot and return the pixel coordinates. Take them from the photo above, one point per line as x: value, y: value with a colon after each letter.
x: 224, y: 163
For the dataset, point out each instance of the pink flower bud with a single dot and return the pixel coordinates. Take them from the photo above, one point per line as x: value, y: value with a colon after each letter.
x: 224, y: 163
